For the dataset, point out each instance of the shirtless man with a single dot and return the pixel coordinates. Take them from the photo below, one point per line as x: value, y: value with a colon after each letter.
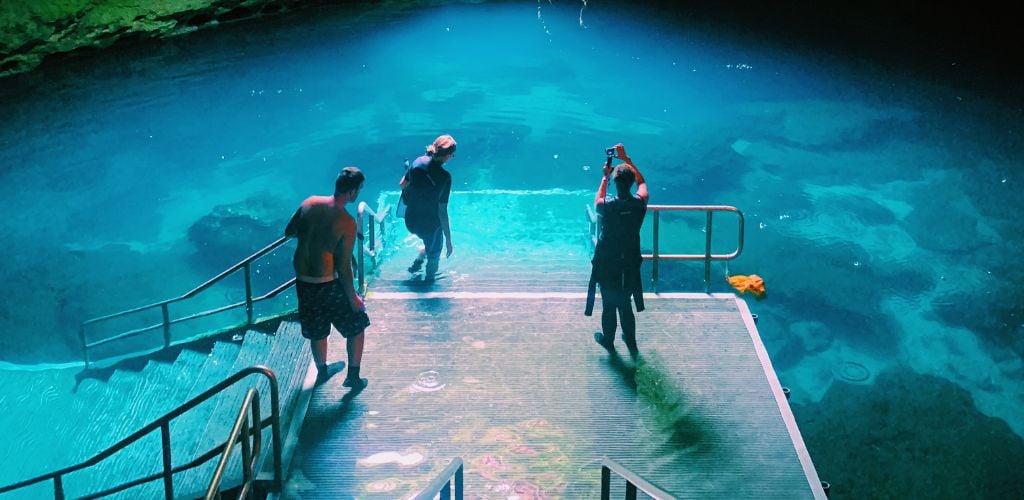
x: 323, y: 272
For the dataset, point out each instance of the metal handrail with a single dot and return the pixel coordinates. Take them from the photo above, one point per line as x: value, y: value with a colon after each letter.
x: 441, y: 485
x: 163, y: 423
x: 250, y: 452
x: 166, y: 321
x: 379, y: 217
x: 656, y: 256
x: 633, y: 482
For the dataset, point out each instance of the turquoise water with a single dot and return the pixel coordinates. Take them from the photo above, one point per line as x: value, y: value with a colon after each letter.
x: 882, y: 210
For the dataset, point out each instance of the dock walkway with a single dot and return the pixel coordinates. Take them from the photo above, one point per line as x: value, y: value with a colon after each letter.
x: 495, y: 363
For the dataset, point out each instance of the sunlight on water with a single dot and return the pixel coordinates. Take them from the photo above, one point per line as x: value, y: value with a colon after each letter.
x: 882, y: 211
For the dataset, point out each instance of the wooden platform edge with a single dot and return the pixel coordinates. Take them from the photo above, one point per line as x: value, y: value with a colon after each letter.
x: 290, y: 436
x: 371, y: 295
x: 780, y: 399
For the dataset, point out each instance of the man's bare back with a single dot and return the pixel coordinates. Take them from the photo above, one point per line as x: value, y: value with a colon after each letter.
x: 324, y: 290
x: 326, y: 234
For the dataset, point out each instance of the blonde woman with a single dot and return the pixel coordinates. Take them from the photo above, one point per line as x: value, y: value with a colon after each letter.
x: 426, y: 187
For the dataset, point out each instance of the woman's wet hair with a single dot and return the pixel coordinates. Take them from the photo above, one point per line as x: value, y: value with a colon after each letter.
x: 442, y: 146
x: 623, y: 177
x: 348, y: 179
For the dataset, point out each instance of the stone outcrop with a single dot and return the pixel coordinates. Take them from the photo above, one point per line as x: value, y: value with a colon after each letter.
x: 229, y: 233
x: 31, y: 30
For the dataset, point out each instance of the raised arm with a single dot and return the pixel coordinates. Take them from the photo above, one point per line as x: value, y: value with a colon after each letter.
x: 602, y: 189
x: 641, y: 184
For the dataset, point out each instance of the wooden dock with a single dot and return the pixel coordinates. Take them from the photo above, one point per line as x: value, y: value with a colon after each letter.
x: 515, y: 385
x: 495, y: 362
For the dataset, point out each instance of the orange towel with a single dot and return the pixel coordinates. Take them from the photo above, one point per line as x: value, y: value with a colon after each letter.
x: 753, y: 284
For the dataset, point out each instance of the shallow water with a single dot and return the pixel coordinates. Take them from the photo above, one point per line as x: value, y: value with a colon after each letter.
x: 882, y: 210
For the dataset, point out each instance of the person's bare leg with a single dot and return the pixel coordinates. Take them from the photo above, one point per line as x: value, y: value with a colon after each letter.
x: 319, y: 349
x: 324, y: 371
x: 354, y: 346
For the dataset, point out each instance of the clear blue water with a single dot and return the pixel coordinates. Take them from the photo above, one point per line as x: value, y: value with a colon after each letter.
x: 882, y: 210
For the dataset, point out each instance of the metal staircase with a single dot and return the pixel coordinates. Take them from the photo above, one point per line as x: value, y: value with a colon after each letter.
x: 142, y: 397
x: 120, y: 391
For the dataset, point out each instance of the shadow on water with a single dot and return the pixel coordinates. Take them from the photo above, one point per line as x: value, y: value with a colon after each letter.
x: 666, y: 403
x: 671, y: 409
x: 625, y: 370
x: 418, y: 284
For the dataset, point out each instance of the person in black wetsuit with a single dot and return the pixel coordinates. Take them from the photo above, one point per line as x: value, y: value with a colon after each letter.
x: 426, y: 187
x: 617, y: 258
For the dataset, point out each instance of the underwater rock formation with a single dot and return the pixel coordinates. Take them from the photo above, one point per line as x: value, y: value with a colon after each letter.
x: 31, y: 31
x: 910, y: 436
x: 229, y: 233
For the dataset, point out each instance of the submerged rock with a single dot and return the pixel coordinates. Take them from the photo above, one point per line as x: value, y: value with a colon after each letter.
x: 910, y: 436
x: 230, y: 233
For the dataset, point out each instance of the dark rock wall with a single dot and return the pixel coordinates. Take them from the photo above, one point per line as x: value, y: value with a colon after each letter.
x: 949, y: 38
x: 31, y: 30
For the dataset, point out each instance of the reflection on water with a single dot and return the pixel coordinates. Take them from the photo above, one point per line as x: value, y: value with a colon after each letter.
x: 407, y: 459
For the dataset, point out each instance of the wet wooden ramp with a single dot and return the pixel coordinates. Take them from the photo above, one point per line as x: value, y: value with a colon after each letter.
x: 515, y: 385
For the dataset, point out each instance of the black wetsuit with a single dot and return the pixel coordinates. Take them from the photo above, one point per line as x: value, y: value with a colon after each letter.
x: 616, y: 266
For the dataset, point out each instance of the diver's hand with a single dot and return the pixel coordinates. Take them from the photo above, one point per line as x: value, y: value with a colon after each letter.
x: 448, y: 249
x: 357, y: 304
x: 620, y: 153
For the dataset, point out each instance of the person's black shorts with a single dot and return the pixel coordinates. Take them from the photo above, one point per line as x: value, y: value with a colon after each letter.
x: 324, y: 304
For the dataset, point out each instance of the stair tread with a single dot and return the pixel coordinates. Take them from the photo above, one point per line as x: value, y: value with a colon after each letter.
x: 140, y: 405
x: 253, y: 352
x: 185, y: 374
x: 212, y: 368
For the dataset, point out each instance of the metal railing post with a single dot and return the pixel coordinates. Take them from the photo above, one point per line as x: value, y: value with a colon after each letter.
x: 458, y: 484
x: 275, y: 432
x: 165, y: 311
x: 58, y: 488
x: 165, y: 439
x: 654, y: 263
x: 85, y: 346
x: 633, y: 482
x: 441, y: 485
x: 707, y: 254
x: 606, y: 482
x: 373, y: 235
x: 248, y: 293
x: 360, y: 261
x: 247, y: 448
x: 630, y: 491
